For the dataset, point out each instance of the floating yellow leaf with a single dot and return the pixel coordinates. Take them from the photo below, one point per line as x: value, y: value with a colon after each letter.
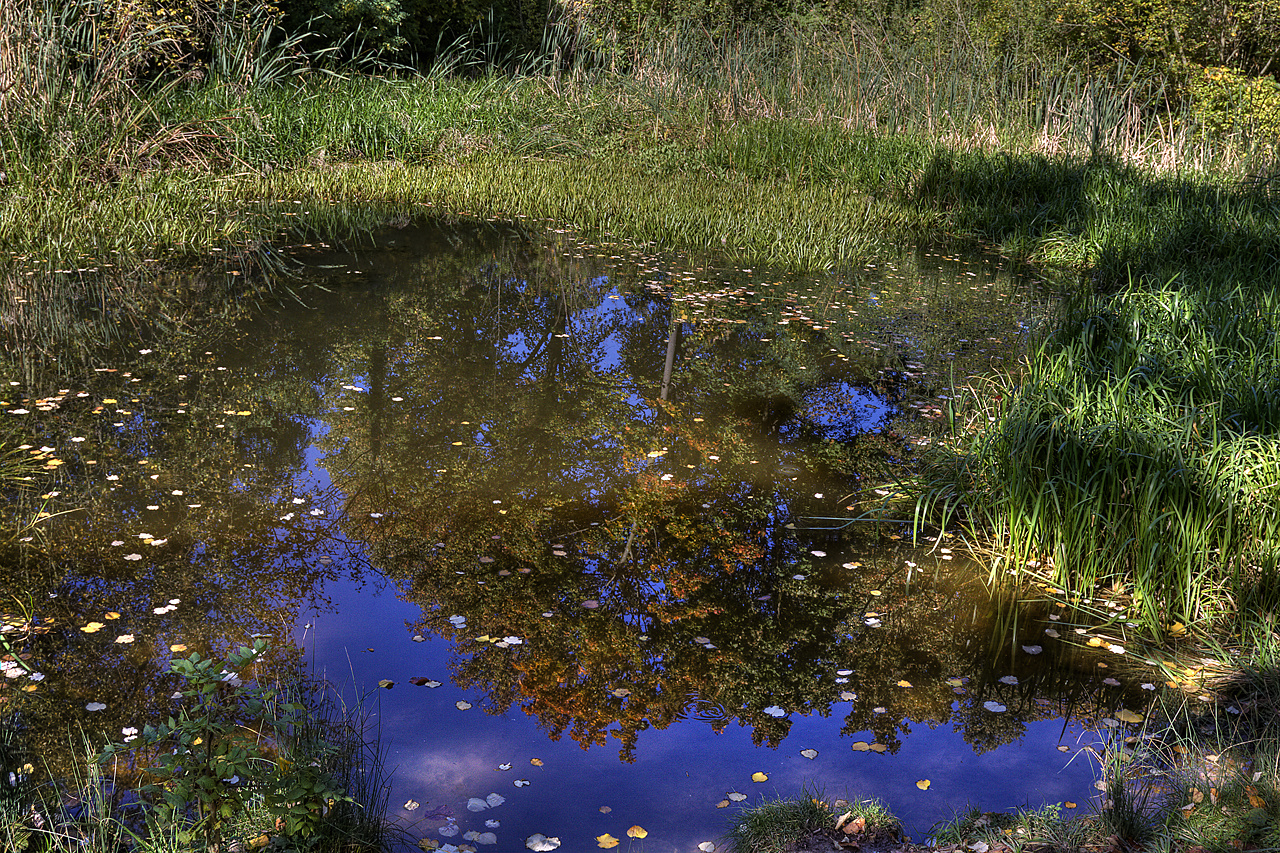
x: 93, y: 627
x: 536, y: 762
x: 923, y: 784
x: 723, y: 804
x: 111, y: 614
x: 637, y: 832
x: 1069, y: 804
x: 904, y: 683
x: 1095, y: 642
x: 1127, y: 716
x: 877, y: 747
x: 178, y: 647
x: 606, y: 841
x: 759, y: 777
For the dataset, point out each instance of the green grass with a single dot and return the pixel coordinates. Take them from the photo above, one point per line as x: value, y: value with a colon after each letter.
x: 803, y: 147
x: 1052, y: 824
x: 775, y: 826
x: 1138, y: 451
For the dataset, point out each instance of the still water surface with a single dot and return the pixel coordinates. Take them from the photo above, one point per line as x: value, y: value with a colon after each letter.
x: 579, y: 526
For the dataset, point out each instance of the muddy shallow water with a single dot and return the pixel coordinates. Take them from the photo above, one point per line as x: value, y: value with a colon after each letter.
x: 596, y: 530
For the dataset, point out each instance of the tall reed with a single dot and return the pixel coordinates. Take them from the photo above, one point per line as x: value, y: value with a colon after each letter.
x: 1140, y: 451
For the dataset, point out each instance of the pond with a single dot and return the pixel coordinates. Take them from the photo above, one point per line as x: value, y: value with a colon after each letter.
x: 604, y: 532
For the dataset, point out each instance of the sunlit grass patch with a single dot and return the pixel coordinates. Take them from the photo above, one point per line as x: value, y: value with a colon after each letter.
x: 776, y: 826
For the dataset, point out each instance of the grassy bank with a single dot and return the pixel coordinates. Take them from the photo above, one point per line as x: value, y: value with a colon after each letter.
x: 800, y: 146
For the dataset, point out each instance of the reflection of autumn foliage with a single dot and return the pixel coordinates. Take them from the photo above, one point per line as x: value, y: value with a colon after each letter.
x: 530, y: 481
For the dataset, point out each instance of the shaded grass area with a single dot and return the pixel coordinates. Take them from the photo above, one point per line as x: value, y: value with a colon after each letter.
x: 106, y: 807
x: 1138, y: 451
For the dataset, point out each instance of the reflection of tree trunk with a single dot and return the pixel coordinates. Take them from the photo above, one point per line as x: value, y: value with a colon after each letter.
x: 555, y: 355
x: 673, y: 343
x: 626, y: 552
x: 377, y: 397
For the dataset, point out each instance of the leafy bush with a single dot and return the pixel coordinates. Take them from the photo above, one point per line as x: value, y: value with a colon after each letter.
x: 1224, y: 101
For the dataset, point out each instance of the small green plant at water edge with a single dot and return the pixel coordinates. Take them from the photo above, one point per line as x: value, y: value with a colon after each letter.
x: 227, y: 747
x: 777, y: 826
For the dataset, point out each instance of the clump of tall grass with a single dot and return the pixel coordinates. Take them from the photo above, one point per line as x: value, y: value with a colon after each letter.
x: 779, y: 825
x: 1140, y: 450
x: 1018, y: 829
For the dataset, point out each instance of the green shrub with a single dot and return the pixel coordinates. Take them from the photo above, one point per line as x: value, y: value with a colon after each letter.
x: 1224, y: 101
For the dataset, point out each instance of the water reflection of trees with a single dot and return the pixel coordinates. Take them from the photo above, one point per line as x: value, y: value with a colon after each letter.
x: 532, y: 481
x: 477, y: 401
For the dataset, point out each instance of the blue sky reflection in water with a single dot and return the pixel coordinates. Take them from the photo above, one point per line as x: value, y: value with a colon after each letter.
x: 443, y: 756
x: 593, y: 344
x: 614, y: 495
